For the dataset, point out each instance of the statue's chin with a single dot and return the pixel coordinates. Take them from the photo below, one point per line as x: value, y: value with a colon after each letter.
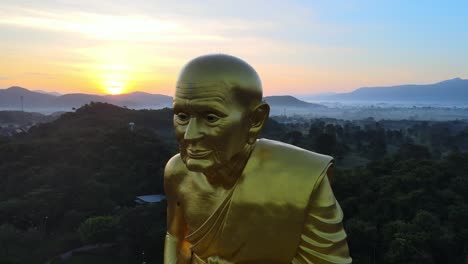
x: 199, y: 165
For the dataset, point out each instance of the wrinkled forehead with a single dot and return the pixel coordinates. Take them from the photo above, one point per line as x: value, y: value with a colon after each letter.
x: 203, y: 90
x: 207, y: 98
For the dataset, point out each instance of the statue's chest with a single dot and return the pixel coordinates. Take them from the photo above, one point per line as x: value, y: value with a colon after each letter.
x: 199, y: 203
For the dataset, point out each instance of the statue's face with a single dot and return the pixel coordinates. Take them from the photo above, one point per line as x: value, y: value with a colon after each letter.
x: 210, y: 125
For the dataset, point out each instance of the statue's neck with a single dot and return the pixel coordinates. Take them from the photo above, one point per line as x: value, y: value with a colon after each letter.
x: 227, y: 175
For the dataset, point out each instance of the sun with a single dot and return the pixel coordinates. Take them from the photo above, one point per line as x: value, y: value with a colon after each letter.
x: 114, y: 87
x: 114, y: 79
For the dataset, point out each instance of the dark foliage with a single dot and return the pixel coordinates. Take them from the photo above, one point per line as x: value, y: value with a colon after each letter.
x: 85, y: 164
x: 407, y: 210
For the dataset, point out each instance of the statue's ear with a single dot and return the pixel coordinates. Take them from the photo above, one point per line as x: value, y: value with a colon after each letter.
x: 258, y: 117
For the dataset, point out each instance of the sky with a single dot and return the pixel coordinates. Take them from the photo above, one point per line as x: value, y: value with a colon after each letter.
x: 297, y: 47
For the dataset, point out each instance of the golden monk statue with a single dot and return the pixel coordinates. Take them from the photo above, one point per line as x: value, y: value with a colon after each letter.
x: 233, y: 198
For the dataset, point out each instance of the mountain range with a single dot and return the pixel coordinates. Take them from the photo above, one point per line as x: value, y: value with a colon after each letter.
x: 449, y: 91
x: 453, y: 90
x: 10, y: 98
x: 288, y: 101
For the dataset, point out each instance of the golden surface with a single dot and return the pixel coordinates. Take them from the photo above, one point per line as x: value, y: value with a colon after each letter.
x: 233, y: 198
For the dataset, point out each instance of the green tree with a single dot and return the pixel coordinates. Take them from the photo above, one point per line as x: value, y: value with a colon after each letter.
x: 142, y: 229
x: 325, y: 143
x: 98, y: 229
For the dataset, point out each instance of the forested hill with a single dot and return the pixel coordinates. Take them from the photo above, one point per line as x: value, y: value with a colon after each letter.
x: 98, y: 117
x: 95, y: 143
x: 83, y: 164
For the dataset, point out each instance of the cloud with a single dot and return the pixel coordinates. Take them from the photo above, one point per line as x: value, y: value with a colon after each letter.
x: 164, y: 22
x: 4, y: 78
x: 133, y: 27
x: 260, y: 29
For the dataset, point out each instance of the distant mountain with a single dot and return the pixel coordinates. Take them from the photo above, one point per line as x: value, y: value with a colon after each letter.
x: 453, y: 90
x: 288, y: 101
x: 141, y: 99
x: 10, y: 98
x: 45, y: 92
x: 77, y: 100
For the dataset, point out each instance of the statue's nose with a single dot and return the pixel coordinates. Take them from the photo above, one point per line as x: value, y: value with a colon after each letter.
x: 192, y: 131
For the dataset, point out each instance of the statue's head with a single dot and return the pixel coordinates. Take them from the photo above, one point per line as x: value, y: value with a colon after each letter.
x: 218, y: 110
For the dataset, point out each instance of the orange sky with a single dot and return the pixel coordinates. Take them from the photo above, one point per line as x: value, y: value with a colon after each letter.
x: 297, y: 47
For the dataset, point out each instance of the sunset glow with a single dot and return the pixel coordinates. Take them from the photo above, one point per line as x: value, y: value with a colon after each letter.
x: 298, y: 47
x: 114, y: 87
x: 114, y: 80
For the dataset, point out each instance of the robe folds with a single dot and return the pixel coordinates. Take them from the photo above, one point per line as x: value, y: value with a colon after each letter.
x: 281, y: 210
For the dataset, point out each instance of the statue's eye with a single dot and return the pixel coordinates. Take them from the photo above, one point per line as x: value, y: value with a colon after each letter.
x: 182, y: 116
x: 211, y: 118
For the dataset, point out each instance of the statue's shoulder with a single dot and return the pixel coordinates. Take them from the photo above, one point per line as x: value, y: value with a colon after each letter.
x: 297, y: 162
x: 175, y: 169
x: 284, y: 173
x: 280, y: 152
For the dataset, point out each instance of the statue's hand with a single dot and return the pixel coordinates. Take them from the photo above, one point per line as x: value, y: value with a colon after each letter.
x: 217, y: 260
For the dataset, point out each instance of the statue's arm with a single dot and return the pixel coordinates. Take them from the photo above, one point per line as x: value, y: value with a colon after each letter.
x: 175, y: 247
x: 323, y: 239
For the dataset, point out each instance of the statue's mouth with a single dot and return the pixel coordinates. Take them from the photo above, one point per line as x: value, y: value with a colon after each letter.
x: 198, y: 153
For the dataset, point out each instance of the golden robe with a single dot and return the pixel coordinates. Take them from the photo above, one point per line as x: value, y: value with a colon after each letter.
x: 281, y: 210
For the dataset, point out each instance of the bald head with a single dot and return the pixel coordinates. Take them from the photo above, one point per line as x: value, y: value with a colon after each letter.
x: 224, y: 72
